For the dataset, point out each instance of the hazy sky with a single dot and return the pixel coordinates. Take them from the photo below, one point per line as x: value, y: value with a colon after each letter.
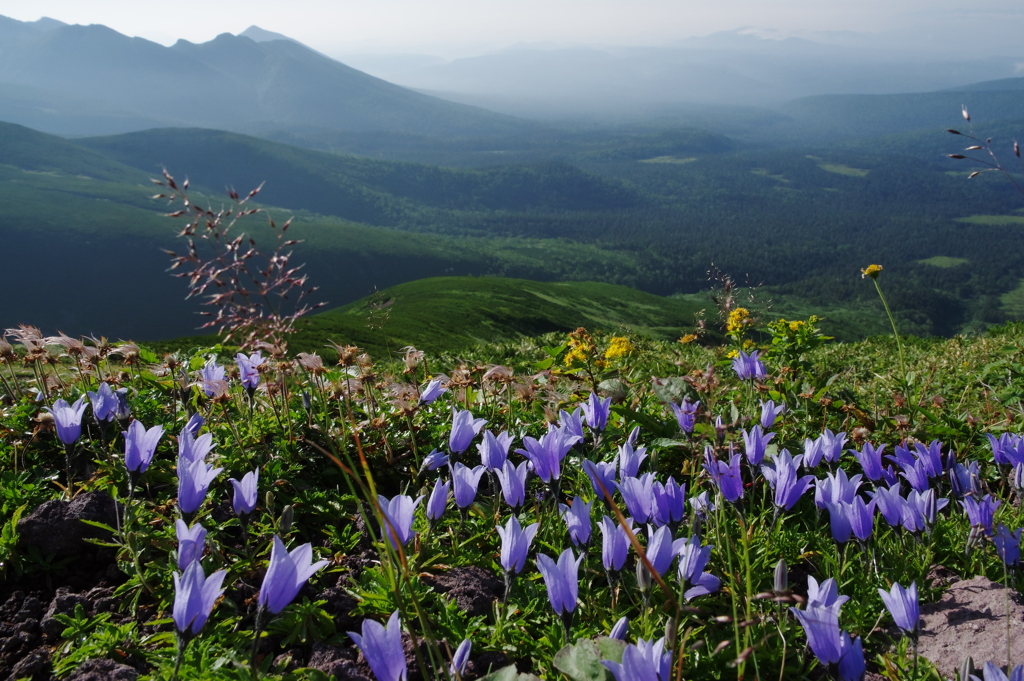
x: 463, y: 26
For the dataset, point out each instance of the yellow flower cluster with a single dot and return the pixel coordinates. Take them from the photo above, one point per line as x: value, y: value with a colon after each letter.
x: 581, y: 347
x: 618, y: 346
x: 738, y: 318
x: 797, y: 325
x: 688, y: 338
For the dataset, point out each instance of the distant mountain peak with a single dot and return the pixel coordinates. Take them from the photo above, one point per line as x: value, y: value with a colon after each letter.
x: 260, y: 35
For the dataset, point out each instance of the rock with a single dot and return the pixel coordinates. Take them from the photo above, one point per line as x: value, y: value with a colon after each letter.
x: 31, y: 664
x: 63, y: 603
x: 103, y: 670
x: 337, y: 662
x: 339, y: 606
x: 473, y: 588
x: 56, y: 528
x: 970, y: 619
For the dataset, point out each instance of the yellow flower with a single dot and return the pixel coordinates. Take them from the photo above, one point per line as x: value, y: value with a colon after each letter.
x: 733, y: 353
x: 747, y: 344
x: 618, y: 347
x: 738, y: 318
x: 688, y: 338
x: 797, y: 325
x: 581, y: 347
x: 871, y: 271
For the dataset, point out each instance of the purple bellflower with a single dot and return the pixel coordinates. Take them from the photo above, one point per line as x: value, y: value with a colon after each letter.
x: 562, y: 581
x: 595, y: 412
x: 966, y: 479
x: 465, y: 481
x: 1006, y: 450
x: 104, y: 402
x: 604, y: 472
x: 638, y: 493
x: 572, y: 423
x: 547, y: 453
x: 615, y: 543
x: 770, y: 412
x: 870, y: 460
x: 191, y: 543
x: 693, y: 558
x: 821, y: 625
x: 851, y: 665
x: 749, y: 367
x: 243, y: 501
x: 686, y: 414
x: 645, y: 661
x: 890, y: 504
x: 1007, y: 545
x: 660, y: 551
x: 248, y: 369
x: 834, y: 488
x: 139, y: 446
x: 513, y: 482
x: 434, y: 460
x: 577, y: 519
x: 669, y: 502
x: 515, y: 544
x: 438, y: 500
x: 382, y: 647
x: 726, y: 475
x: 813, y: 452
x: 192, y: 448
x: 464, y: 429
x: 630, y: 460
x: 195, y: 424
x: 67, y: 418
x: 990, y: 672
x: 755, y: 443
x: 916, y: 474
x: 398, y: 517
x: 931, y: 456
x: 432, y: 390
x: 460, y: 659
x: 212, y: 378
x: 902, y: 604
x: 494, y: 449
x: 194, y: 597
x: 621, y: 629
x: 782, y: 475
x: 832, y: 445
x: 194, y: 480
x: 286, y: 575
x: 980, y: 513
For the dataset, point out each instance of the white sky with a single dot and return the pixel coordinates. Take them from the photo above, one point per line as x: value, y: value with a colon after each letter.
x: 450, y: 27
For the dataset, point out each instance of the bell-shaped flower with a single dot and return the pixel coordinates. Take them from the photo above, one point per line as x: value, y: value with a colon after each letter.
x: 140, y: 445
x: 821, y: 625
x: 286, y: 575
x: 917, y: 475
x: 432, y: 390
x: 191, y: 543
x: 966, y: 479
x: 382, y: 648
x: 212, y: 378
x: 248, y: 369
x: 870, y: 460
x: 615, y: 543
x: 931, y: 456
x: 245, y: 492
x: 701, y: 506
x: 621, y: 629
x: 464, y: 429
x: 562, y: 580
x: 438, y: 500
x: 595, y: 412
x: 195, y: 424
x: 195, y: 594
x: 398, y: 517
x: 494, y: 449
x: 192, y: 448
x: 546, y: 454
x: 890, y: 503
x: 770, y: 412
x: 638, y: 493
x: 603, y: 471
x: 645, y: 661
x: 577, y: 520
x: 572, y: 423
x: 980, y: 513
x: 813, y: 452
x: 669, y: 502
x: 194, y: 480
x: 692, y: 560
x: 755, y: 444
x: 784, y: 478
x: 832, y: 445
x: 835, y: 488
x: 460, y: 659
x: 686, y: 414
x: 851, y: 665
x: 726, y: 475
x: 515, y: 544
x: 67, y: 418
x: 104, y: 402
x: 434, y: 460
x: 920, y: 509
x: 660, y: 550
x: 513, y: 482
x: 465, y: 481
x: 749, y: 367
x: 1007, y: 545
x: 1006, y: 448
x: 903, y: 605
x: 630, y: 460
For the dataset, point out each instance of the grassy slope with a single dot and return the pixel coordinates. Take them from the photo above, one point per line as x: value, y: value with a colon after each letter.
x: 452, y: 313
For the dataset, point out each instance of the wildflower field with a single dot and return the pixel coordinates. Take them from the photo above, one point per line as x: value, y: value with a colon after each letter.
x: 584, y: 507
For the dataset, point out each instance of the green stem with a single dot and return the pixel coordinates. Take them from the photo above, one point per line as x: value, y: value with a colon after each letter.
x: 895, y: 332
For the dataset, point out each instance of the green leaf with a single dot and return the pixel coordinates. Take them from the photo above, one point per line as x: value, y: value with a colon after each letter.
x: 671, y: 389
x: 582, y: 662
